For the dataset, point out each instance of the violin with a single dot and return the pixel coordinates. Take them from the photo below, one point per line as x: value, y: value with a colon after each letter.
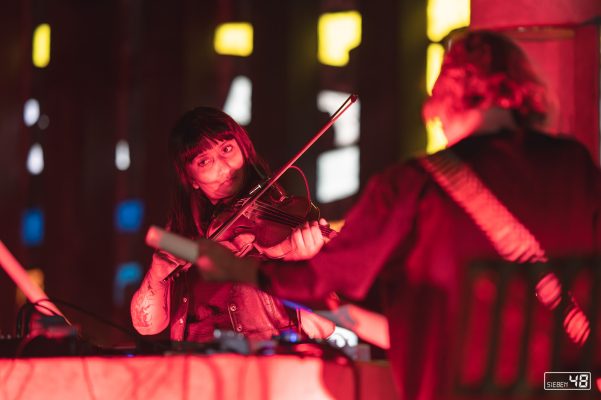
x: 254, y: 196
x: 256, y: 192
x: 283, y: 216
x: 266, y: 224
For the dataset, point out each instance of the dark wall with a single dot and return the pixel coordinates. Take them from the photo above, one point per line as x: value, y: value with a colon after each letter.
x: 13, y: 180
x: 127, y: 70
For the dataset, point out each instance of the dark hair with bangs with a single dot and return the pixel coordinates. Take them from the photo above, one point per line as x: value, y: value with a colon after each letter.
x: 199, y: 129
x: 196, y: 131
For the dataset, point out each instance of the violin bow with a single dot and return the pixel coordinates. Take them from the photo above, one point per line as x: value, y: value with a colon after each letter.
x: 256, y: 192
x: 155, y: 234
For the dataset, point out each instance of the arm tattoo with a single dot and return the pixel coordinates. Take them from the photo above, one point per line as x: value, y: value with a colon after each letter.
x: 146, y: 301
x: 141, y: 315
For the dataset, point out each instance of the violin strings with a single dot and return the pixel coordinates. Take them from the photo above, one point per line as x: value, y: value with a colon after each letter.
x: 282, y: 216
x: 274, y: 211
x: 277, y: 215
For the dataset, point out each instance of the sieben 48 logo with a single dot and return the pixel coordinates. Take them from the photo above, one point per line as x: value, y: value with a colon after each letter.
x: 568, y: 381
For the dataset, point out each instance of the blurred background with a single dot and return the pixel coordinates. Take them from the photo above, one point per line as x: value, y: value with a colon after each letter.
x: 90, y: 90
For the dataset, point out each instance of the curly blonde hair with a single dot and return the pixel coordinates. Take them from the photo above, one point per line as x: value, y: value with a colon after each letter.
x: 483, y: 69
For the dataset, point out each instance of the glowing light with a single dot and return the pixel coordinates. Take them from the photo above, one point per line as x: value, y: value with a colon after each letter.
x: 35, y: 159
x: 445, y: 16
x: 238, y: 103
x: 37, y: 277
x: 337, y: 174
x: 234, y: 39
x: 122, y: 160
x: 336, y: 224
x: 32, y: 227
x: 577, y: 326
x: 346, y: 129
x: 128, y: 274
x: 436, y: 138
x: 433, y: 64
x: 129, y: 215
x: 40, y: 53
x: 338, y: 34
x: 548, y: 291
x: 342, y: 337
x: 31, y: 112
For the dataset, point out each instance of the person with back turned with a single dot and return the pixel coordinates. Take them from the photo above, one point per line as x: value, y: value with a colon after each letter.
x: 409, y: 229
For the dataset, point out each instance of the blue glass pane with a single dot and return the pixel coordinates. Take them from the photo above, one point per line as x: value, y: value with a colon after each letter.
x: 129, y: 215
x: 32, y: 227
x: 128, y: 274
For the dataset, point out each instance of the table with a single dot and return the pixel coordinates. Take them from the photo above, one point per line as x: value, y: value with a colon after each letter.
x: 221, y: 376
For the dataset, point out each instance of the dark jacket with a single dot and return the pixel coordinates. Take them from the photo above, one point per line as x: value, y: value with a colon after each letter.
x: 409, y: 233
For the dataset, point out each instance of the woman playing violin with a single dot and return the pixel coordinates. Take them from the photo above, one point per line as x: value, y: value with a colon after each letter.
x: 216, y: 164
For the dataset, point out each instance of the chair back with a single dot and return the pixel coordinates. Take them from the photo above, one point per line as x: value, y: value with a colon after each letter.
x: 507, y: 339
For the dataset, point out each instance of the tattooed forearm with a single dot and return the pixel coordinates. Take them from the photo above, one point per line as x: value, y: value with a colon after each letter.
x: 150, y: 306
x: 141, y: 315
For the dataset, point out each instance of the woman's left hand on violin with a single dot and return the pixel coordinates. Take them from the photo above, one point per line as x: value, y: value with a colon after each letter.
x: 218, y: 263
x: 306, y: 241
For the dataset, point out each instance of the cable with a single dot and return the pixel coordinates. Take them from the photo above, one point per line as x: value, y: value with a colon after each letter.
x: 302, y: 174
x: 131, y: 334
x: 323, y: 345
x: 21, y: 317
x: 91, y: 314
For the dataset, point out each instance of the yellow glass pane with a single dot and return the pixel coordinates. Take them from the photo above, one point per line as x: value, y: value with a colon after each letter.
x: 433, y: 63
x: 234, y: 39
x: 37, y: 276
x: 40, y: 53
x: 445, y: 16
x: 436, y: 138
x: 338, y: 33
